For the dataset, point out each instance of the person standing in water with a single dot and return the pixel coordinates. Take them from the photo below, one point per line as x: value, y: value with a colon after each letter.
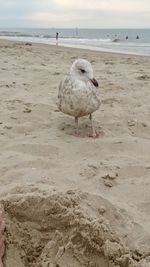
x: 57, y: 38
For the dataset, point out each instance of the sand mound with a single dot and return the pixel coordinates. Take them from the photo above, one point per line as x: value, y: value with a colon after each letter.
x: 65, y: 230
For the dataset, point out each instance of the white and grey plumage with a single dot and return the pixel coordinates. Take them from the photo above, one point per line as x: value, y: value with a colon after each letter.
x: 78, y: 93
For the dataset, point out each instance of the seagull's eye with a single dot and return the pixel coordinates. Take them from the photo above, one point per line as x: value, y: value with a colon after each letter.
x: 82, y: 70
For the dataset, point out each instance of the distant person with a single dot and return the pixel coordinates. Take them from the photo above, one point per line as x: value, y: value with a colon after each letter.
x: 127, y: 37
x: 57, y: 34
x: 137, y: 37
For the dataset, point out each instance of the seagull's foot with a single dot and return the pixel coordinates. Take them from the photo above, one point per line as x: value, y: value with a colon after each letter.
x: 94, y: 133
x: 76, y: 133
x: 2, y: 240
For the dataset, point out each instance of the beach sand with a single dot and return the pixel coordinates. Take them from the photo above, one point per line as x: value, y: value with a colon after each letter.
x: 68, y: 201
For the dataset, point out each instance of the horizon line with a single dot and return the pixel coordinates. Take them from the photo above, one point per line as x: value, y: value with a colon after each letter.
x: 93, y: 28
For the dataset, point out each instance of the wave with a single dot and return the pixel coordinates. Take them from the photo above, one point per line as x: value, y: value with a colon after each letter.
x: 44, y: 35
x: 20, y: 34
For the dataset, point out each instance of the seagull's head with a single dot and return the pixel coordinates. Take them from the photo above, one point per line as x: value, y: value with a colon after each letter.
x: 82, y: 70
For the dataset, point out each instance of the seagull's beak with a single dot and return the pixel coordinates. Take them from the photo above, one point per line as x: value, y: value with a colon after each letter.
x: 94, y: 82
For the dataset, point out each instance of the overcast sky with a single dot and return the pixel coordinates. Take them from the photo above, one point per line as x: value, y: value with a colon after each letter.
x: 75, y: 13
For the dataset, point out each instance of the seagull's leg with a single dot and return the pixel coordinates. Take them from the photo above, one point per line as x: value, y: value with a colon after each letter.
x: 76, y: 127
x: 93, y: 133
x: 2, y: 240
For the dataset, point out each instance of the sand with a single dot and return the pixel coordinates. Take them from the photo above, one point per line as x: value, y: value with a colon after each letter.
x: 68, y: 201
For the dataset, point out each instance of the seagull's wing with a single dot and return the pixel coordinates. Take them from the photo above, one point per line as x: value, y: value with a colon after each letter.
x: 65, y: 88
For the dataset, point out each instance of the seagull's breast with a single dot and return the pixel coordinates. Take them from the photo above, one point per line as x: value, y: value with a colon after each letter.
x: 78, y: 98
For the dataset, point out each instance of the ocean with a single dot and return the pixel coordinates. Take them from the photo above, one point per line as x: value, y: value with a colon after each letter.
x: 130, y: 41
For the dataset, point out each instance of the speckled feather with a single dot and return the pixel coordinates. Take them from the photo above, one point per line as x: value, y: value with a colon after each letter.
x: 77, y: 97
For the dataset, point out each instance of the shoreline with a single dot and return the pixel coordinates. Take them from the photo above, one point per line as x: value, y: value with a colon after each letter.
x: 106, y: 50
x: 83, y: 47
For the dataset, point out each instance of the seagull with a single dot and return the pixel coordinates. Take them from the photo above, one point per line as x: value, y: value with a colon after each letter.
x: 78, y: 94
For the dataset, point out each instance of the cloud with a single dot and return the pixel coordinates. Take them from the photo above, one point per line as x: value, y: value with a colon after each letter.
x: 110, y: 5
x: 48, y: 17
x: 71, y: 13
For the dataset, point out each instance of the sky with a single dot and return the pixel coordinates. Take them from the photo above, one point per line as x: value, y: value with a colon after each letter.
x: 75, y: 13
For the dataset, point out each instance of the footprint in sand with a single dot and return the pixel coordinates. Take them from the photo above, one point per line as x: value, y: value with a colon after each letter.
x: 143, y: 77
x: 56, y: 73
x: 109, y: 179
x: 100, y: 173
x: 139, y: 129
x: 27, y: 110
x: 90, y: 172
x: 109, y: 63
